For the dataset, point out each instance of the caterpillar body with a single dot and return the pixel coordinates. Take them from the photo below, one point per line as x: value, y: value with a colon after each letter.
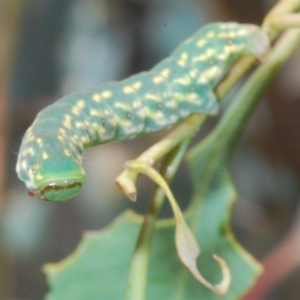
x: 49, y: 160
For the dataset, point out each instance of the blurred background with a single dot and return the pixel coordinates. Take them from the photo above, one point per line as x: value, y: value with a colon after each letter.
x: 49, y: 48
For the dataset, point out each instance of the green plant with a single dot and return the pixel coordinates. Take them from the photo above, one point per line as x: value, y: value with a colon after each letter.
x: 98, y: 268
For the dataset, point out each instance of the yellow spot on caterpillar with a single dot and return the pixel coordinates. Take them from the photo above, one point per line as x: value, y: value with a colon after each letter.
x: 79, y: 124
x: 201, y: 57
x: 158, y: 79
x: 80, y: 104
x: 31, y: 151
x: 183, y: 59
x: 154, y: 115
x: 61, y: 130
x: 45, y: 155
x: 94, y: 112
x: 96, y: 97
x: 30, y: 137
x: 40, y: 143
x: 190, y: 98
x: 193, y: 73
x: 121, y: 105
x: 211, y: 73
x: 75, y: 110
x: 165, y: 73
x: 242, y: 32
x: 202, y: 80
x: 184, y: 56
x: 124, y: 123
x: 206, y: 56
x: 84, y: 140
x: 107, y: 94
x: 60, y: 138
x: 67, y: 121
x: 137, y: 85
x: 193, y: 98
x: 229, y: 49
x: 231, y: 34
x: 67, y: 153
x: 152, y: 97
x: 171, y: 104
x: 24, y: 164
x: 210, y: 34
x: 128, y: 89
x: 183, y: 81
x: 222, y: 56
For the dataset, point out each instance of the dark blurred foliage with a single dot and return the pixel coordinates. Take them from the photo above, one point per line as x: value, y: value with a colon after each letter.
x: 66, y: 46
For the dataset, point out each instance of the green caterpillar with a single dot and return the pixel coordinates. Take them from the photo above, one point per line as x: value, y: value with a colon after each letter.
x: 49, y: 160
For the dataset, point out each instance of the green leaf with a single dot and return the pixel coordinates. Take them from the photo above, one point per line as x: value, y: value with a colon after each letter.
x: 98, y: 267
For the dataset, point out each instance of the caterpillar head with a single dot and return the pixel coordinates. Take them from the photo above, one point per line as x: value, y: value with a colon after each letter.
x: 50, y: 167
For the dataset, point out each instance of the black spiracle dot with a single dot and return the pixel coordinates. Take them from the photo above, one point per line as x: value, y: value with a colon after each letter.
x: 159, y: 105
x: 32, y: 170
x: 103, y: 122
x: 128, y: 115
